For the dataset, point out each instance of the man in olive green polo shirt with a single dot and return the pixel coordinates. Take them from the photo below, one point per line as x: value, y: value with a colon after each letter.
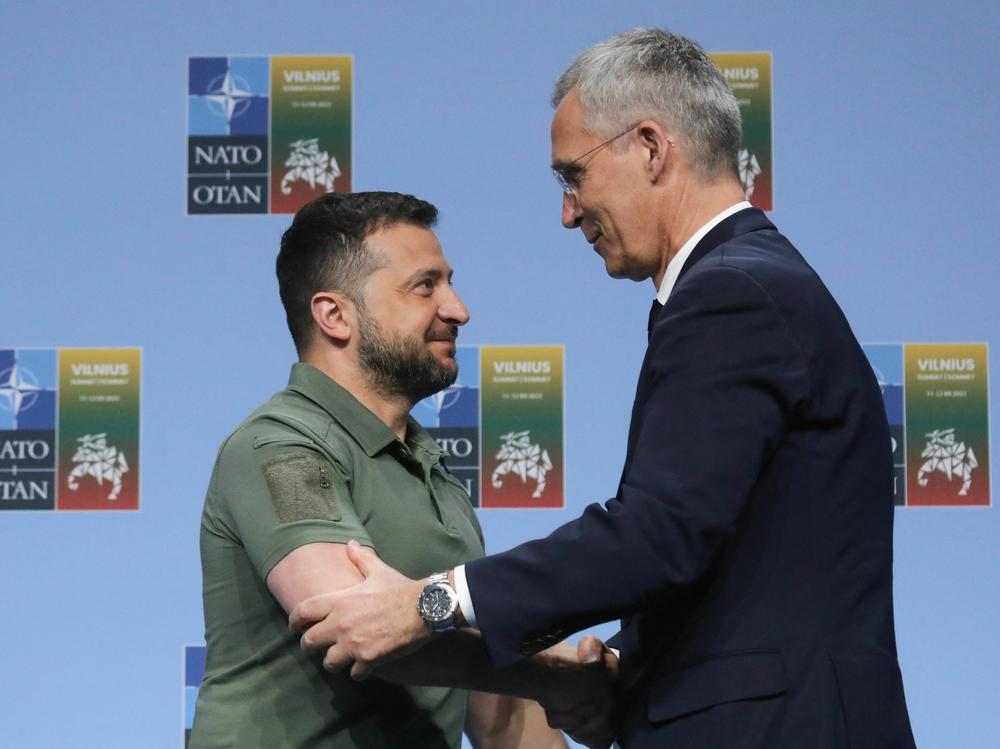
x: 335, y: 457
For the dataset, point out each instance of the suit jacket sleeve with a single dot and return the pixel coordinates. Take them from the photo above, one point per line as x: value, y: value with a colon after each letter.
x: 723, y: 379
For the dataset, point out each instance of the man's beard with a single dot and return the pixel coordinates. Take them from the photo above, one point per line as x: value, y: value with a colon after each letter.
x: 396, y: 365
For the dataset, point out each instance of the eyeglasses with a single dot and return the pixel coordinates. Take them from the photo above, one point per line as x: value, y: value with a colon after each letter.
x: 563, y: 173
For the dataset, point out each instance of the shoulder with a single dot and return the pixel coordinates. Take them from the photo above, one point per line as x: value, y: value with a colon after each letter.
x: 286, y: 423
x: 263, y: 429
x: 766, y: 256
x: 760, y: 265
x: 724, y: 319
x: 715, y: 287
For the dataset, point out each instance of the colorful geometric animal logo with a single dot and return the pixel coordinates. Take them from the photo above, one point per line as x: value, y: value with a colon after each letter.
x: 96, y: 458
x: 948, y: 456
x: 525, y: 460
x: 309, y: 164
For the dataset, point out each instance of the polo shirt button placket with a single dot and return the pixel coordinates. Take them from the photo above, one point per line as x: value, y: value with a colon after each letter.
x: 429, y: 484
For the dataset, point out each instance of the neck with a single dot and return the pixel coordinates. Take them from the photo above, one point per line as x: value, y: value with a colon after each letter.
x: 700, y: 201
x: 391, y: 410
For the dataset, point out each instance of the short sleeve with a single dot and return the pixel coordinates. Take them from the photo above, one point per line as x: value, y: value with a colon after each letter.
x: 275, y: 494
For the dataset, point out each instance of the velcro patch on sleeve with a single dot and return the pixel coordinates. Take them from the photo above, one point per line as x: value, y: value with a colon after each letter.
x: 300, y: 487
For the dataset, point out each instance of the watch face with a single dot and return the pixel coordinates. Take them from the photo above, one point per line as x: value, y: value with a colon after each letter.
x: 435, y: 604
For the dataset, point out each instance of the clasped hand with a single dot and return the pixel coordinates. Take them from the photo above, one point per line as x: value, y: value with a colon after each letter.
x: 582, y: 700
x: 376, y: 621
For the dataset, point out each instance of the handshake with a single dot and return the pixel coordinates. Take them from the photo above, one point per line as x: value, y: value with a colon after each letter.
x: 374, y: 628
x: 581, y: 701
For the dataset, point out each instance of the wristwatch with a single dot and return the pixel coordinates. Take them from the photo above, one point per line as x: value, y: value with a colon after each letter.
x: 437, y: 603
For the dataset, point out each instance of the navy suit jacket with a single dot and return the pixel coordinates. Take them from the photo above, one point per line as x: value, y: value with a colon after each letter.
x: 748, y: 550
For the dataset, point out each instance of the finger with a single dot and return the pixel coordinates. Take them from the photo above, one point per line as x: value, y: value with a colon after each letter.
x: 363, y: 557
x: 321, y: 635
x: 590, y: 649
x: 317, y: 637
x: 309, y: 612
x: 361, y: 671
x: 337, y: 658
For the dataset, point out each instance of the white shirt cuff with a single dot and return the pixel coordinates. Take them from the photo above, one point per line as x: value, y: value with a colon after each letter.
x: 464, y: 599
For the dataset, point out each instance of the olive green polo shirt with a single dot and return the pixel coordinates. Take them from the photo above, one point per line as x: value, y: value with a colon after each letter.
x: 314, y: 465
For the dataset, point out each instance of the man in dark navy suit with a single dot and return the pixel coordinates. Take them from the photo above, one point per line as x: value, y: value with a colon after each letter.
x: 748, y: 550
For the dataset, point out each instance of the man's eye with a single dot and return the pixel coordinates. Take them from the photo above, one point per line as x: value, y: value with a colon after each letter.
x: 573, y: 177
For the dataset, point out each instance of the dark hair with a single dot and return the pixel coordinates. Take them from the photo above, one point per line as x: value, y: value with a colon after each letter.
x: 324, y: 249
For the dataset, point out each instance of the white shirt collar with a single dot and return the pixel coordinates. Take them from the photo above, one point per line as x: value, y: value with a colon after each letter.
x: 677, y: 261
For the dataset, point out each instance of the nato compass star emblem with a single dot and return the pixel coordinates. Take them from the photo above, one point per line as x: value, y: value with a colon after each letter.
x: 433, y: 405
x: 229, y: 95
x: 18, y: 389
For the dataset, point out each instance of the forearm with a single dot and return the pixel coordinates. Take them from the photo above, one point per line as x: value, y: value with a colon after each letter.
x: 536, y: 731
x: 502, y: 722
x: 459, y: 659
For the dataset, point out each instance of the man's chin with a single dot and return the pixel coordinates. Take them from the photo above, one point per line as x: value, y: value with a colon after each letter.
x: 446, y: 371
x: 620, y: 271
x: 446, y: 378
x: 612, y: 264
x: 450, y: 366
x: 615, y: 270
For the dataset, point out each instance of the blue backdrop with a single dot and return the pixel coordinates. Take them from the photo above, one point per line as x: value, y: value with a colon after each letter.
x: 885, y: 121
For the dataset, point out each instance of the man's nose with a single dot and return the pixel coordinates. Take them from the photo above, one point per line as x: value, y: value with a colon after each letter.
x: 453, y: 309
x: 571, y: 213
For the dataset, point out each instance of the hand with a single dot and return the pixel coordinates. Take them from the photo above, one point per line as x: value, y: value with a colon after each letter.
x: 582, y: 701
x: 370, y: 623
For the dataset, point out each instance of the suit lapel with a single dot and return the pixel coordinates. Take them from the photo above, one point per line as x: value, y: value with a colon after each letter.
x: 741, y: 222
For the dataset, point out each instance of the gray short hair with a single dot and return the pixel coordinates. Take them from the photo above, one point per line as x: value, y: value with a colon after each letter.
x: 654, y: 74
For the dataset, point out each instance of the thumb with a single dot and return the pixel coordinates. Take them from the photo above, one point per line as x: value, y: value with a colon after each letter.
x: 589, y: 650
x: 363, y: 557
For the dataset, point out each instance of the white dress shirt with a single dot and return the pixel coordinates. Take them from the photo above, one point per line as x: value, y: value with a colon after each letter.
x: 677, y: 261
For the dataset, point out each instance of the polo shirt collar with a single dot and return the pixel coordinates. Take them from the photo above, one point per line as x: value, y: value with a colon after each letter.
x: 365, y: 427
x: 422, y: 438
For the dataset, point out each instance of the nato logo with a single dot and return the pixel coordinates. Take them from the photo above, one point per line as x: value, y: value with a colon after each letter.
x: 228, y: 120
x: 28, y: 389
x: 228, y: 95
x: 28, y: 382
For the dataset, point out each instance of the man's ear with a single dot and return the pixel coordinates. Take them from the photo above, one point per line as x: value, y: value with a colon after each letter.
x: 333, y: 314
x: 656, y: 144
